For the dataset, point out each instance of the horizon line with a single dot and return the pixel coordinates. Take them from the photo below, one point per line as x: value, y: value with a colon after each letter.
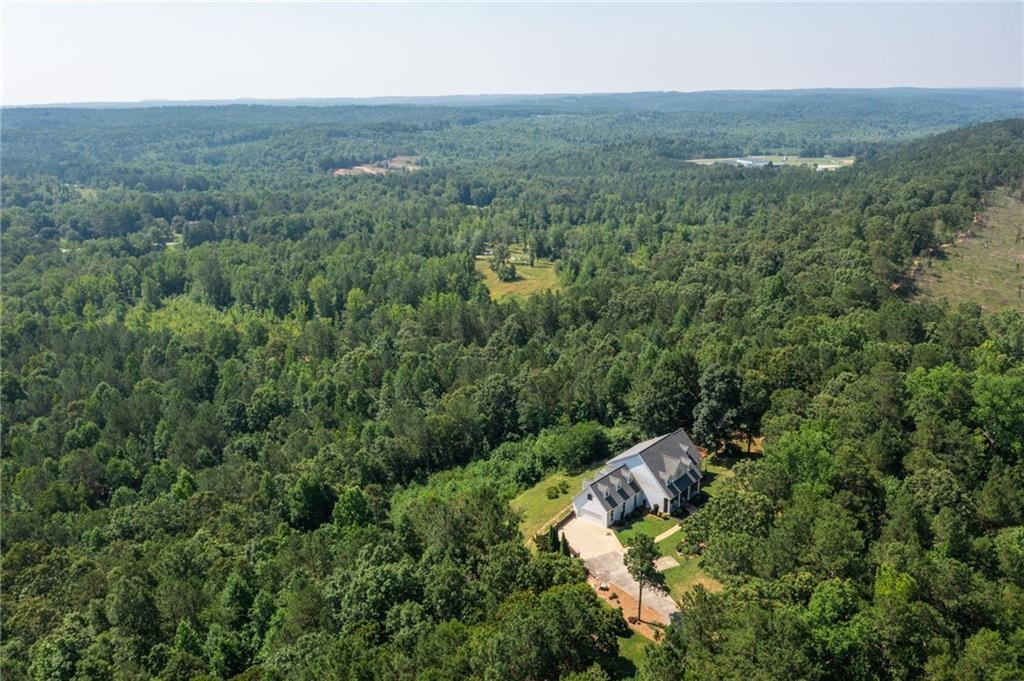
x: 381, y: 100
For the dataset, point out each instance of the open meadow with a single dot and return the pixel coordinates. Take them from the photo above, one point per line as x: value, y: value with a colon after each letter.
x: 541, y: 276
x: 985, y: 264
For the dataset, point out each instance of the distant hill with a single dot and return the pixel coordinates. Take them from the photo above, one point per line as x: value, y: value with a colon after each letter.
x: 955, y: 106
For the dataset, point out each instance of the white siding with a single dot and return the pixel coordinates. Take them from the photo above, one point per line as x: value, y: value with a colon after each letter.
x: 643, y: 476
x: 589, y: 509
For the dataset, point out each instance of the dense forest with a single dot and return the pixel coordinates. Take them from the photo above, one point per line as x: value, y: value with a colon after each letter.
x: 263, y: 422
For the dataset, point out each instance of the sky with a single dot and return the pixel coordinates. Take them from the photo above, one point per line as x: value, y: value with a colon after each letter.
x: 116, y: 51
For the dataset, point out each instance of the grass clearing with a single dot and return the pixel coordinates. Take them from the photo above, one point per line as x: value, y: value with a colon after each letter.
x: 535, y: 506
x: 541, y: 276
x: 984, y: 265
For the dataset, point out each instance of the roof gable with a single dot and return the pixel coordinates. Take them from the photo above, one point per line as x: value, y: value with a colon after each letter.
x: 669, y: 458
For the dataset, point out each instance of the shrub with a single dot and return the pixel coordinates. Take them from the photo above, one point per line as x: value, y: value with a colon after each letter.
x: 554, y: 492
x: 576, y: 446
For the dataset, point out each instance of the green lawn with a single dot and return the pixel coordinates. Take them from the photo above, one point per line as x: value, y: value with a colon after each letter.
x: 535, y: 506
x: 685, y: 576
x: 540, y: 277
x: 714, y: 476
x: 667, y: 546
x: 631, y: 651
x: 650, y: 524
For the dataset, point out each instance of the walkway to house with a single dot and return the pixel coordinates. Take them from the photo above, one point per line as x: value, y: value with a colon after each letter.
x: 602, y: 553
x: 667, y: 533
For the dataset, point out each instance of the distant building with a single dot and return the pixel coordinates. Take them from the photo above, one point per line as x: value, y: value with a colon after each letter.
x: 658, y: 474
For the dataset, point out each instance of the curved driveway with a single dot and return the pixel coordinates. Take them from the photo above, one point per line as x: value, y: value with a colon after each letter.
x: 602, y: 553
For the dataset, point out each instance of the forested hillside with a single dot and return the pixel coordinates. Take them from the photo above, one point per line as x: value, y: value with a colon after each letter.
x: 263, y: 421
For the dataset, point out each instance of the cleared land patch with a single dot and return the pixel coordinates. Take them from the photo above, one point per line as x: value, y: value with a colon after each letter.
x: 390, y: 165
x: 817, y: 162
x: 984, y: 264
x: 530, y: 279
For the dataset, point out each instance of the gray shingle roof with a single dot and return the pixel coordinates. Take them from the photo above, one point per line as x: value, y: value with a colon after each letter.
x: 672, y: 459
x: 617, y: 485
x: 665, y: 455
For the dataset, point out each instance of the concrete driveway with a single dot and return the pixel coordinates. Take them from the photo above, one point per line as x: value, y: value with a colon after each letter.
x: 602, y: 553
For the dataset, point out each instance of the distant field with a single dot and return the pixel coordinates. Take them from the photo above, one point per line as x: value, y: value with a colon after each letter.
x: 819, y: 162
x: 540, y: 277
x: 380, y: 167
x: 985, y: 265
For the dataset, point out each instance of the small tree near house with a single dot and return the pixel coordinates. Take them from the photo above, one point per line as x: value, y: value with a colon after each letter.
x: 641, y: 552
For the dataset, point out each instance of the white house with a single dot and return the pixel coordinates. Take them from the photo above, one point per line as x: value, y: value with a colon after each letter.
x: 657, y: 474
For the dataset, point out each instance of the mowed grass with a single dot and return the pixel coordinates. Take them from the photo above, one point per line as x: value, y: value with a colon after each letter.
x: 986, y: 268
x: 682, y: 579
x: 537, y: 509
x: 715, y: 476
x: 540, y: 277
x: 688, y: 574
x: 632, y: 649
x: 650, y: 525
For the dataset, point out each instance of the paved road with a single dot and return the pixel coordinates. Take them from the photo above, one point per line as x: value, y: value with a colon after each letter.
x: 602, y: 553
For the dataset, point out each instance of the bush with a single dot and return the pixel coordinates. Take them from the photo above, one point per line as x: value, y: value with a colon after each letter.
x: 554, y: 492
x: 575, y: 447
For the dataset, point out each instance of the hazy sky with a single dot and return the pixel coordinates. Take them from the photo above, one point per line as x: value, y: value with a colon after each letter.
x: 127, y: 52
